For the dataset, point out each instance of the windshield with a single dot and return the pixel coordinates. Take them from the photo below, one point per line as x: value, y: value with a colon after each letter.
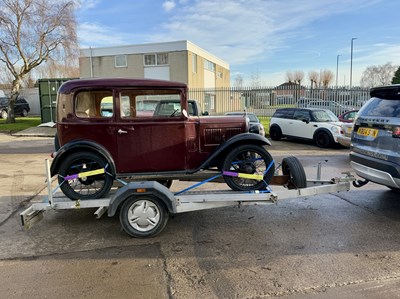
x: 324, y: 116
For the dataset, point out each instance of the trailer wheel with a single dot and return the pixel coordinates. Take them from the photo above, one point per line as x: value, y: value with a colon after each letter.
x: 248, y: 159
x: 90, y: 187
x: 143, y: 216
x: 292, y: 167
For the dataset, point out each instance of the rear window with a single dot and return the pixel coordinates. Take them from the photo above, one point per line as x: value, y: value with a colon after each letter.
x: 381, y: 107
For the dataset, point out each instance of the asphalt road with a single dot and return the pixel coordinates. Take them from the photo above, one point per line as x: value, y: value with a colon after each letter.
x: 337, y: 245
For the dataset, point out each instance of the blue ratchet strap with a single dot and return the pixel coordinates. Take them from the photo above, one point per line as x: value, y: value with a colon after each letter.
x: 198, y: 184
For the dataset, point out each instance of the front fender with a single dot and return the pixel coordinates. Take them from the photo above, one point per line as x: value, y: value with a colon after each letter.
x: 243, y: 138
x: 81, y: 146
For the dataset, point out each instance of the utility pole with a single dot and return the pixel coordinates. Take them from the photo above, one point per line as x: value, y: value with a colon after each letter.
x: 351, y: 61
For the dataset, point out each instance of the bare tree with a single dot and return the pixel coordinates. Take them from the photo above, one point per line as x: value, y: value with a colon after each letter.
x: 298, y: 76
x: 32, y: 32
x: 326, y: 77
x: 289, y: 77
x: 376, y: 75
x: 238, y: 81
x: 255, y: 79
x: 313, y: 76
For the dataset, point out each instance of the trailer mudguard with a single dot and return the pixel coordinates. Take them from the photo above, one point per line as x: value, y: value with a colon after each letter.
x: 150, y: 188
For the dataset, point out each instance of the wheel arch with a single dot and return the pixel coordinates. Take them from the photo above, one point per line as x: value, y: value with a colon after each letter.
x: 152, y: 189
x: 240, y: 139
x: 323, y: 130
x: 79, y: 146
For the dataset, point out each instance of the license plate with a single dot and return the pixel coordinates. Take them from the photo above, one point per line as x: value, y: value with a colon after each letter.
x: 367, y: 132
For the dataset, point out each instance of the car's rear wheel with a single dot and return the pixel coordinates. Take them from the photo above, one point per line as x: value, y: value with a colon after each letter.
x: 248, y: 159
x: 275, y: 133
x: 77, y: 186
x: 322, y: 139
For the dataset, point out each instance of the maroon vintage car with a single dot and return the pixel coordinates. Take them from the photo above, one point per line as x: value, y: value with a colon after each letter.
x: 99, y: 126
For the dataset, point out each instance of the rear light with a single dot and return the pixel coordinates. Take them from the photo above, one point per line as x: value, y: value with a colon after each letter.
x: 396, y: 132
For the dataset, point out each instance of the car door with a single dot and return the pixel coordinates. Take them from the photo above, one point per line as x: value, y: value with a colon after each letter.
x: 151, y: 143
x: 300, y: 126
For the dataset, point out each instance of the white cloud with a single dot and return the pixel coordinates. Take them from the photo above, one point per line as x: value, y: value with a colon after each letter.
x: 243, y: 31
x: 92, y: 34
x: 86, y: 4
x: 169, y: 5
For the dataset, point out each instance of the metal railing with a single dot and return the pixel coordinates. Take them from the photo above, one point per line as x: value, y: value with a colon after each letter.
x: 263, y: 101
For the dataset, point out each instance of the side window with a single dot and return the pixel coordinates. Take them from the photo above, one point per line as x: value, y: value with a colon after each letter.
x: 94, y: 104
x: 150, y: 103
x: 301, y: 115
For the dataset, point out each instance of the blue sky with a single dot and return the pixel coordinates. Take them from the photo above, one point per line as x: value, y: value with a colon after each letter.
x: 264, y: 38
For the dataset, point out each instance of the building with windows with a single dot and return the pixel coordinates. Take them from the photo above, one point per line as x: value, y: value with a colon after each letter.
x: 180, y: 61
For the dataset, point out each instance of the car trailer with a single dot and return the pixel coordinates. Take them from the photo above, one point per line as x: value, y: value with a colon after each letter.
x: 144, y: 207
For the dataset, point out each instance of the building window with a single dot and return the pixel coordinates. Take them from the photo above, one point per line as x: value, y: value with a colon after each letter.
x: 194, y: 63
x: 208, y: 65
x: 162, y: 58
x: 156, y: 59
x: 121, y: 61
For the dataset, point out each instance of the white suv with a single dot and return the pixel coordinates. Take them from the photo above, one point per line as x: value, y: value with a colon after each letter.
x: 320, y: 125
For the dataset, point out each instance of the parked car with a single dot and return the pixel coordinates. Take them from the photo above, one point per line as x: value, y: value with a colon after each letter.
x: 162, y: 146
x: 255, y: 125
x: 348, y: 117
x: 375, y: 142
x: 319, y: 125
x: 335, y: 107
x: 346, y: 130
x: 21, y: 107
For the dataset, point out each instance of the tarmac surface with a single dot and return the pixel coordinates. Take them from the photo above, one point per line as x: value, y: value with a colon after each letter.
x: 336, y: 245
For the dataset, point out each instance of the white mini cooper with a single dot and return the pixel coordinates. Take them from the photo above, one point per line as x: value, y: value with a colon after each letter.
x: 319, y: 125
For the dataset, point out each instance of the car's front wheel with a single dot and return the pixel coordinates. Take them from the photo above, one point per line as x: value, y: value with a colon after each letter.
x: 24, y: 113
x: 248, y: 160
x: 76, y: 184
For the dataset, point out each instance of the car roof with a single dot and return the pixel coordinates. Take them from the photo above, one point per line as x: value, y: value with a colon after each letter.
x: 70, y: 85
x: 390, y: 92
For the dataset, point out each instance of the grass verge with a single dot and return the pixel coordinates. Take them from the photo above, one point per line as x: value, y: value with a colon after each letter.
x: 21, y: 123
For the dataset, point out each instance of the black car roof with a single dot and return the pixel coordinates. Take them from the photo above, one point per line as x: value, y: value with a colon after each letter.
x: 390, y: 92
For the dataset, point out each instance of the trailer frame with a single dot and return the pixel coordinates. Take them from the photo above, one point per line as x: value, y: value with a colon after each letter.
x: 150, y: 203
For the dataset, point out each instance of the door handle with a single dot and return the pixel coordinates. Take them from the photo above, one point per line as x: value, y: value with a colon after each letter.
x: 122, y: 131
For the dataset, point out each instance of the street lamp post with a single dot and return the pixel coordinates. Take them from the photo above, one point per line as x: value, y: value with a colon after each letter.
x: 337, y: 69
x: 351, y: 61
x: 337, y: 74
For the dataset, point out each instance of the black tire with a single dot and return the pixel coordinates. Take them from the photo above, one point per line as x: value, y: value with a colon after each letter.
x: 292, y: 167
x: 4, y: 114
x: 143, y: 216
x: 248, y: 159
x: 91, y: 187
x: 275, y: 133
x: 322, y: 139
x: 24, y: 113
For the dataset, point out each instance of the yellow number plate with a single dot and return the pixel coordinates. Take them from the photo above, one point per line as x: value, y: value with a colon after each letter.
x: 367, y: 132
